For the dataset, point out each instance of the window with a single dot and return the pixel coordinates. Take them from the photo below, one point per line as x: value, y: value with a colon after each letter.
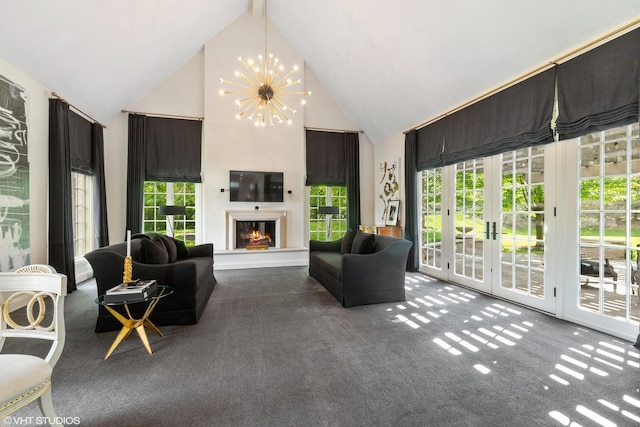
x: 327, y: 227
x: 158, y: 194
x: 82, y: 213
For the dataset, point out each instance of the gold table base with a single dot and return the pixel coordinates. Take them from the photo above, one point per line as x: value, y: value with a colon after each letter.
x: 129, y: 324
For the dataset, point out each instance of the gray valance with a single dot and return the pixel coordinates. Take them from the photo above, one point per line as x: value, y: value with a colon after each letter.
x: 325, y: 158
x: 516, y: 117
x: 600, y: 88
x: 173, y: 149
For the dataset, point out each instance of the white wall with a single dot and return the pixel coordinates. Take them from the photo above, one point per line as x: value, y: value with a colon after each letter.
x: 38, y: 149
x: 390, y: 150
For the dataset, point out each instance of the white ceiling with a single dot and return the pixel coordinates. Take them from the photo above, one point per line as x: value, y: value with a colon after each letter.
x: 390, y: 64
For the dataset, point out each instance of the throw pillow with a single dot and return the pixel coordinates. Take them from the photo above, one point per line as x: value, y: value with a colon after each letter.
x: 153, y: 252
x: 347, y: 241
x: 181, y: 249
x: 172, y: 251
x: 363, y: 243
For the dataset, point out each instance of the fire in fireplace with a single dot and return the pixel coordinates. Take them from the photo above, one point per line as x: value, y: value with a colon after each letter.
x: 255, y: 234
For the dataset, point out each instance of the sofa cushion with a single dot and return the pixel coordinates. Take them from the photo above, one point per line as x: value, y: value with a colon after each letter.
x: 329, y: 262
x: 153, y: 251
x: 363, y: 243
x: 347, y: 241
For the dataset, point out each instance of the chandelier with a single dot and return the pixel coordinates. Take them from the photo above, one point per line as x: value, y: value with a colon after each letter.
x: 265, y: 91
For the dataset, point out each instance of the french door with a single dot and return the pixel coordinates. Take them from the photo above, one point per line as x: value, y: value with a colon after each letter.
x: 498, y: 215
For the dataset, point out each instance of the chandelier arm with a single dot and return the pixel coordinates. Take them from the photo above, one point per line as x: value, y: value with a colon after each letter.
x: 248, y: 89
x: 283, y: 107
x: 285, y: 77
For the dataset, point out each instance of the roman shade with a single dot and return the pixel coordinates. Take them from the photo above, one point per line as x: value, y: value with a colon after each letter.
x: 173, y: 150
x: 600, y: 88
x: 516, y: 117
x: 325, y: 158
x: 428, y: 143
x: 80, y: 130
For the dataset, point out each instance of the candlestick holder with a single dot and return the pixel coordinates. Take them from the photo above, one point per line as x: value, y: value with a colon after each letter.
x: 128, y: 270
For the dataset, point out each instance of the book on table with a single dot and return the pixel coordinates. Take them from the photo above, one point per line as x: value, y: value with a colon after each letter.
x: 131, y: 291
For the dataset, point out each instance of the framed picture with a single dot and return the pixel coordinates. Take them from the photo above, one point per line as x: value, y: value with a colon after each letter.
x: 392, y: 213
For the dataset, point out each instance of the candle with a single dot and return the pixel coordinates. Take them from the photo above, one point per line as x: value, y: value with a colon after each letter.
x: 128, y: 242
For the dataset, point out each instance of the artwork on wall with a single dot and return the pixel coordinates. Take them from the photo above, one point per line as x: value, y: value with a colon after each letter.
x: 14, y: 177
x: 389, y: 186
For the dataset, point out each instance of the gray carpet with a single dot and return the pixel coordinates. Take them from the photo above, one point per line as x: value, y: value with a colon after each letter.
x: 273, y: 348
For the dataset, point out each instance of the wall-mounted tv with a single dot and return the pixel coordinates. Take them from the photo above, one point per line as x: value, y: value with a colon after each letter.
x: 250, y: 186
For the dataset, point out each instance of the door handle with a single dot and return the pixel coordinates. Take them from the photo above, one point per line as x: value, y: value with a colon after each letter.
x: 494, y: 230
x: 487, y: 234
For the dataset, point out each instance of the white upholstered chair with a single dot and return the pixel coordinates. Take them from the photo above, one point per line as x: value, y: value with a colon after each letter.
x: 25, y: 378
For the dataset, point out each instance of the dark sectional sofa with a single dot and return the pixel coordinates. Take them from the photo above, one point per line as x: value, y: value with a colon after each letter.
x: 189, y: 271
x: 361, y: 268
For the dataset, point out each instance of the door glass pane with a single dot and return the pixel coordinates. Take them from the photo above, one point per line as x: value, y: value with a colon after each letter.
x: 608, y: 220
x: 431, y: 218
x: 522, y: 228
x: 469, y: 220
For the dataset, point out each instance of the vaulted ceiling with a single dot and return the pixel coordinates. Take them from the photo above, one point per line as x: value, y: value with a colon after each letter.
x: 390, y: 64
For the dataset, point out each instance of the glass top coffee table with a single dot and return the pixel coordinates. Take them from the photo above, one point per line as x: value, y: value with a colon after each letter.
x: 130, y: 323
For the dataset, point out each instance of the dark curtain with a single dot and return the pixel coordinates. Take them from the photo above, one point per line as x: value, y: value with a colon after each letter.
x: 61, y: 255
x: 325, y: 158
x: 352, y: 162
x: 429, y: 142
x: 411, y: 227
x: 516, y: 117
x: 600, y: 88
x: 173, y: 150
x: 136, y: 167
x: 101, y: 237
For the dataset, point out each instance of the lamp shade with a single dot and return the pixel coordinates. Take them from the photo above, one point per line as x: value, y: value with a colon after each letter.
x: 172, y: 210
x: 328, y: 210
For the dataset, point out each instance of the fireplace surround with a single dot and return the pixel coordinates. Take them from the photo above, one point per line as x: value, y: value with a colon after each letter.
x: 275, y: 218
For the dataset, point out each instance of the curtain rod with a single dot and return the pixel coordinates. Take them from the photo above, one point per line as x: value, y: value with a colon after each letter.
x: 333, y: 130
x: 77, y: 109
x: 610, y: 35
x: 174, y: 116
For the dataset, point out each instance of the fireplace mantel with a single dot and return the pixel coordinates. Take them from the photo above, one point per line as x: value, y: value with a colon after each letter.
x: 279, y: 216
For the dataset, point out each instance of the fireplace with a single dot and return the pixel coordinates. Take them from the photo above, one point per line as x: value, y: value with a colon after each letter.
x: 255, y: 234
x: 248, y: 229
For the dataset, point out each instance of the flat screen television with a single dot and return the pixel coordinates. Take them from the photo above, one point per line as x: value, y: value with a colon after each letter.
x: 250, y: 186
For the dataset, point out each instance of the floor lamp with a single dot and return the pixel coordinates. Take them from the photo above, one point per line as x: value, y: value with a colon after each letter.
x: 171, y: 211
x: 329, y: 211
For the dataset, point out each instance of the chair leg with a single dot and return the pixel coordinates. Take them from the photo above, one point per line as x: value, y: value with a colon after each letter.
x: 46, y: 405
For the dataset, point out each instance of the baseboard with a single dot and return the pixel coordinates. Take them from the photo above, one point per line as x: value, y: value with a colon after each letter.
x: 242, y: 258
